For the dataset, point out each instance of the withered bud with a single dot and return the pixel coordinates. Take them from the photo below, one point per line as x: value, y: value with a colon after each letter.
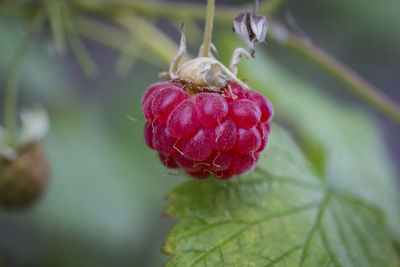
x: 250, y: 28
x: 23, y: 179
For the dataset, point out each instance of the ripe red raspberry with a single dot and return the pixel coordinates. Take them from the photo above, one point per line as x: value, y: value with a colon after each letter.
x: 208, y: 133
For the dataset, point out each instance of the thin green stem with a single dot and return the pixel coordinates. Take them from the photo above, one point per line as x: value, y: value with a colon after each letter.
x: 163, y: 9
x: 11, y: 83
x: 337, y: 70
x: 205, y: 50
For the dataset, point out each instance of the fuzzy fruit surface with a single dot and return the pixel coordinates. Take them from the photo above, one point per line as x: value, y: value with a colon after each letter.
x: 206, y: 134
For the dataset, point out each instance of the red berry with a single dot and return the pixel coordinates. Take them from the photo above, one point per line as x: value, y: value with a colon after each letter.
x: 206, y: 134
x: 267, y: 111
x: 249, y: 140
x: 197, y: 147
x: 212, y: 108
x: 187, y: 164
x: 244, y: 113
x: 165, y: 101
x: 148, y: 113
x: 243, y: 163
x: 148, y: 133
x: 183, y: 121
x: 199, y: 174
x: 152, y: 89
x: 267, y: 127
x: 149, y: 94
x: 223, y: 136
x: 264, y: 136
x: 163, y: 141
x: 220, y: 161
x: 168, y: 161
x: 235, y: 92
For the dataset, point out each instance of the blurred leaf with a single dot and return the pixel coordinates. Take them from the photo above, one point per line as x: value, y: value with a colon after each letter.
x: 128, y: 55
x: 378, y: 18
x: 107, y: 186
x: 281, y: 214
x: 342, y: 142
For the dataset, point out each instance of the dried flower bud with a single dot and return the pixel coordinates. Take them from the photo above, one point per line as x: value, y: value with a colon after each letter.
x: 23, y: 179
x: 250, y: 28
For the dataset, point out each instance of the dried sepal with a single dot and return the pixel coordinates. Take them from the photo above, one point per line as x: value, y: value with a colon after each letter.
x: 173, y: 68
x: 205, y: 72
x: 236, y: 56
x: 202, y: 72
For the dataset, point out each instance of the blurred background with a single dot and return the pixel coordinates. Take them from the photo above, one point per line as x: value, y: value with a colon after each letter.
x: 105, y: 203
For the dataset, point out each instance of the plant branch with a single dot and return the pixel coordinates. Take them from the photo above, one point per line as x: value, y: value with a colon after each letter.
x: 161, y: 9
x: 11, y: 83
x: 205, y: 50
x: 309, y: 51
x: 337, y: 70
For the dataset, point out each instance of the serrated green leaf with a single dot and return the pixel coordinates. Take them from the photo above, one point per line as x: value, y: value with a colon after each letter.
x: 281, y: 214
x: 342, y: 142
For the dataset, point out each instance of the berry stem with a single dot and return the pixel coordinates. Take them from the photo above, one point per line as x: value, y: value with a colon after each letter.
x: 343, y: 74
x: 205, y: 51
x: 11, y: 83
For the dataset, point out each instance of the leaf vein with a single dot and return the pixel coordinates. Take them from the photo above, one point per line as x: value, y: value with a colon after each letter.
x: 285, y: 254
x: 246, y: 227
x: 321, y: 209
x: 328, y: 247
x: 339, y: 226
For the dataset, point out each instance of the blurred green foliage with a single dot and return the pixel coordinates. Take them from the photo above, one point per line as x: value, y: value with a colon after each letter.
x: 105, y: 203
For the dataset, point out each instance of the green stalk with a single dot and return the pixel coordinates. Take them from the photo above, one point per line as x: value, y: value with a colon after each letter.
x: 343, y: 74
x: 11, y: 83
x: 205, y: 51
